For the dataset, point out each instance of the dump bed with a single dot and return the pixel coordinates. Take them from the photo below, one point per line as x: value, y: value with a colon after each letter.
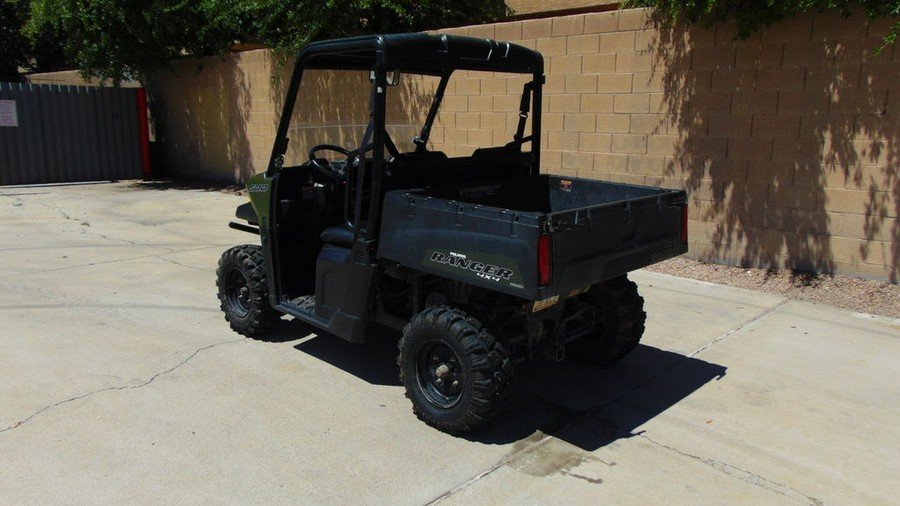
x: 533, y: 237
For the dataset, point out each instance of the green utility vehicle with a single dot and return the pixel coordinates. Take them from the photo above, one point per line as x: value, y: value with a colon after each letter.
x: 454, y: 238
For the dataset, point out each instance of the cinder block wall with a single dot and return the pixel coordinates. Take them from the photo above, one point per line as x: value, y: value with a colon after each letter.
x: 216, y: 117
x: 788, y: 143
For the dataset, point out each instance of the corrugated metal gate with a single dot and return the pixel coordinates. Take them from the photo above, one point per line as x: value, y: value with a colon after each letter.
x: 53, y: 133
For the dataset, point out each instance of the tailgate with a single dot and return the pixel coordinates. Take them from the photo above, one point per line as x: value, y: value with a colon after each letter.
x: 595, y: 244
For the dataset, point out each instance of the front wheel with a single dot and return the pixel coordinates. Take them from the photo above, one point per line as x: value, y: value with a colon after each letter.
x: 244, y: 290
x: 456, y: 374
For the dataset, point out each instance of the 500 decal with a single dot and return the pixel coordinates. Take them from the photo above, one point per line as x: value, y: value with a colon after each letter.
x: 480, y: 269
x: 259, y: 188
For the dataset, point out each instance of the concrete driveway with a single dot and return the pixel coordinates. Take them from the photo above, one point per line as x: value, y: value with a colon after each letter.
x: 120, y: 382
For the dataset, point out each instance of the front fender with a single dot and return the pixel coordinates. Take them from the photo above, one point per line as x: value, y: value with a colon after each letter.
x: 261, y: 188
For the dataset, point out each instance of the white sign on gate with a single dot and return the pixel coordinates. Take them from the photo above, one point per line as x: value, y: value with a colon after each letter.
x: 8, y: 116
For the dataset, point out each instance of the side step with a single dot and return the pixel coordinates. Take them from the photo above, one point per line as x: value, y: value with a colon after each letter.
x: 306, y: 303
x: 303, y: 308
x: 339, y: 323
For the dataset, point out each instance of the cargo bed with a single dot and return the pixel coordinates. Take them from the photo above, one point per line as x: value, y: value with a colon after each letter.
x: 595, y: 230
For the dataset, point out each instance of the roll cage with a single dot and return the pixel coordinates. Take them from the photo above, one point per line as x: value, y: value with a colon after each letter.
x: 418, y: 53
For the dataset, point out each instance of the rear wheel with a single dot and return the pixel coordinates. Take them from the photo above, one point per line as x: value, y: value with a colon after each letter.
x: 244, y: 290
x: 607, y: 320
x: 456, y: 374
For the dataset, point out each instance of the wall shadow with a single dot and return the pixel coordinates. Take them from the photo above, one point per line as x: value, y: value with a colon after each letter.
x: 164, y: 184
x: 200, y: 111
x: 774, y: 133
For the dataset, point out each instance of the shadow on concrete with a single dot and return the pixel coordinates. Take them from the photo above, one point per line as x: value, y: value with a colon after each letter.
x: 189, y: 184
x: 374, y: 361
x: 587, y: 406
x: 591, y: 407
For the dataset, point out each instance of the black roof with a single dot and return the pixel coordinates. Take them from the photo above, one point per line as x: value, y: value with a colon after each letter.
x: 422, y: 53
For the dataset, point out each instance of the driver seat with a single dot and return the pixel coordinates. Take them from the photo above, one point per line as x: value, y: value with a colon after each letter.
x: 338, y: 235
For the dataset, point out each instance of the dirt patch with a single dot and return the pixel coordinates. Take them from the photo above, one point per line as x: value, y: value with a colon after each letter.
x: 863, y: 295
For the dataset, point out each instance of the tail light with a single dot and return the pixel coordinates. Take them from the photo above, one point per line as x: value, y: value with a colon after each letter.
x: 545, y: 250
x: 684, y: 223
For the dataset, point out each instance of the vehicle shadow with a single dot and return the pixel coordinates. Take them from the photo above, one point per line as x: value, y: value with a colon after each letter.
x: 587, y: 406
x: 373, y: 361
x: 592, y: 406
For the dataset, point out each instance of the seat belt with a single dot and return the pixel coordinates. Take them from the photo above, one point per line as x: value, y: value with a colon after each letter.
x: 361, y: 160
x: 524, y: 108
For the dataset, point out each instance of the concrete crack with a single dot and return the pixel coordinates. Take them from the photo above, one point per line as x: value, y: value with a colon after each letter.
x: 60, y: 211
x: 180, y: 264
x: 14, y: 196
x: 501, y: 463
x: 737, y: 329
x: 118, y: 260
x: 743, y: 475
x: 84, y: 224
x: 594, y: 481
x: 115, y: 388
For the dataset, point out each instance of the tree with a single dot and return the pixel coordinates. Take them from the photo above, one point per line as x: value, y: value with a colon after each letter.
x: 14, y: 47
x: 120, y: 39
x: 293, y: 24
x: 751, y: 16
x: 40, y: 51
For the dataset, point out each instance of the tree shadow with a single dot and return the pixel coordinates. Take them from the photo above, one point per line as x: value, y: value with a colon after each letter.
x: 787, y: 142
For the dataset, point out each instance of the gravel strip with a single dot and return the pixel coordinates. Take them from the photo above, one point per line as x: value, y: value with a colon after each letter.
x: 862, y: 295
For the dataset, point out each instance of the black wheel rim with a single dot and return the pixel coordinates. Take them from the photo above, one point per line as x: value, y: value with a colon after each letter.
x: 439, y: 374
x: 238, y: 293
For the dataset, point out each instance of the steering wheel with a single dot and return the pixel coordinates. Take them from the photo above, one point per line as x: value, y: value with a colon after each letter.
x: 330, y: 170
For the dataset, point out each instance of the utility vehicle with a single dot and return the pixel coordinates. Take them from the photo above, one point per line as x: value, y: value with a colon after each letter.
x: 404, y: 190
